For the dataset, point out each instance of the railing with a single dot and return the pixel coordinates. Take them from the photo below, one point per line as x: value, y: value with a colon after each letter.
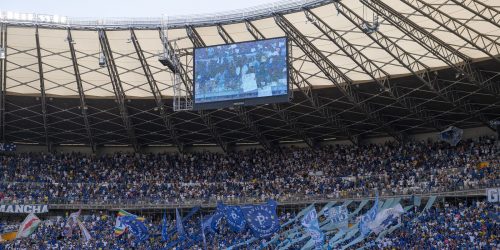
x: 252, y: 13
x: 64, y: 203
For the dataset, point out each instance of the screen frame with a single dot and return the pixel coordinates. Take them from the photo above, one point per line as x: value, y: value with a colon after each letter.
x: 252, y: 101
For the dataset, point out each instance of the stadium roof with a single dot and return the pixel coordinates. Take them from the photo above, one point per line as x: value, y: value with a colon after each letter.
x: 359, y: 69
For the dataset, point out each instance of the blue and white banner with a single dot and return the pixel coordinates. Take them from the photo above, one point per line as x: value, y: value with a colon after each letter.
x: 262, y: 219
x: 310, y: 222
x: 164, y: 228
x: 206, y: 223
x: 216, y: 218
x: 203, y: 234
x: 385, y: 218
x: 367, y: 218
x: 136, y: 227
x: 178, y: 224
x: 338, y: 216
x: 234, y: 218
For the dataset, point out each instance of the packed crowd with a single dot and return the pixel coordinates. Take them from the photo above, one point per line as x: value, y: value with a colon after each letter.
x: 474, y: 226
x: 252, y: 175
x: 467, y: 225
x: 49, y: 235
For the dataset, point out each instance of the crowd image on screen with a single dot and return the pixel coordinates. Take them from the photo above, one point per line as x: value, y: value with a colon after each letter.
x: 220, y: 71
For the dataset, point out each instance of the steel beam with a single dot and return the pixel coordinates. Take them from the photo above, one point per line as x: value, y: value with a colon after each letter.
x: 326, y: 112
x: 186, y: 80
x: 242, y: 112
x: 456, y: 60
x: 183, y: 74
x: 336, y: 76
x: 292, y: 123
x: 473, y: 37
x: 194, y: 37
x: 442, y: 50
x: 156, y: 92
x: 3, y: 78
x: 117, y: 88
x: 223, y: 33
x: 480, y: 9
x: 81, y: 92
x: 43, y: 97
x: 254, y: 31
x: 207, y: 120
x: 378, y: 75
x: 284, y: 114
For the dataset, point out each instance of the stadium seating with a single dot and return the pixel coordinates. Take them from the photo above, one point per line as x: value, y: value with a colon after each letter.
x: 347, y: 173
x: 296, y: 174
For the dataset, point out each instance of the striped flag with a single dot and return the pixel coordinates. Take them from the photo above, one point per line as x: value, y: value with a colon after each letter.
x: 28, y: 226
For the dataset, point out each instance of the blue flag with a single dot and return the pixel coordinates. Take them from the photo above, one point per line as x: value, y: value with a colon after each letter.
x: 203, y: 234
x: 338, y: 216
x: 368, y: 218
x: 216, y: 218
x: 262, y: 219
x: 234, y: 218
x: 310, y: 222
x: 164, y: 228
x: 178, y: 223
x: 136, y: 227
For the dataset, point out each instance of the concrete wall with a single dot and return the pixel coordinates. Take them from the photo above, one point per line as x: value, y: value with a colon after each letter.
x: 468, y: 133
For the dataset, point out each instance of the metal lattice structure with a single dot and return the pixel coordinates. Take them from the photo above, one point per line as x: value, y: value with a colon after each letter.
x: 419, y: 66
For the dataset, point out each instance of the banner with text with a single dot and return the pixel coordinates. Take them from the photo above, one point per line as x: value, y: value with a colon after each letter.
x: 24, y: 209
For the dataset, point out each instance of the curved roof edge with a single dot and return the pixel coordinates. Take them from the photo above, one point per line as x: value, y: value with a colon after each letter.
x: 197, y: 20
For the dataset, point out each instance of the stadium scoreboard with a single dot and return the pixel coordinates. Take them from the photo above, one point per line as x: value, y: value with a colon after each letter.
x: 245, y: 73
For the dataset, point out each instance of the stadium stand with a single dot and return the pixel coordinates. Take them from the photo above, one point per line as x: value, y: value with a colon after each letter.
x: 309, y: 124
x: 253, y: 175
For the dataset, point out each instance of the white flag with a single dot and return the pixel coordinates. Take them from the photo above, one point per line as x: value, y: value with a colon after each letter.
x: 385, y: 217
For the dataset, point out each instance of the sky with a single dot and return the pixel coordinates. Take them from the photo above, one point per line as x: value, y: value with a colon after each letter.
x: 125, y: 8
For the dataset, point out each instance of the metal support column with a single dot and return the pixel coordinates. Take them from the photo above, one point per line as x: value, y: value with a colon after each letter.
x: 3, y: 78
x: 452, y: 57
x: 81, y: 93
x: 378, y: 75
x: 204, y: 115
x: 43, y: 97
x: 415, y: 66
x: 242, y: 112
x: 336, y: 76
x: 456, y: 60
x: 473, y: 37
x: 117, y: 88
x: 480, y: 9
x: 327, y: 113
x: 284, y: 114
x: 156, y: 92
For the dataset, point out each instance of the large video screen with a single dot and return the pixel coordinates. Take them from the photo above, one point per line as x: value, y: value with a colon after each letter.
x: 246, y: 73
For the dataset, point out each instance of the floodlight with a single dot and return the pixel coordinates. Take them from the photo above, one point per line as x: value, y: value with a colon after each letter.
x: 2, y: 53
x: 102, y: 60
